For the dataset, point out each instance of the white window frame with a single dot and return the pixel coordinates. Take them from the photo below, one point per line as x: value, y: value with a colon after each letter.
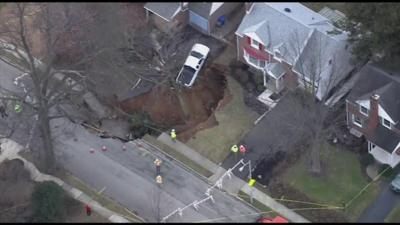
x: 278, y: 58
x: 254, y: 45
x: 366, y: 114
x: 247, y: 58
x: 355, y: 122
x: 383, y: 123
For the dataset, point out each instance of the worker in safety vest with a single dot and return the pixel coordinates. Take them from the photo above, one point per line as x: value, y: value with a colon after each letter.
x: 159, y: 179
x: 18, y: 108
x: 173, y: 135
x: 234, y: 148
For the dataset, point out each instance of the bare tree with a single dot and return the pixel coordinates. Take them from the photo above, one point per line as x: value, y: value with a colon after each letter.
x: 320, y: 66
x: 47, y: 88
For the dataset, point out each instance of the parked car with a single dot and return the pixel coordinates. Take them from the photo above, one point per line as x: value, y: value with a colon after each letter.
x: 188, y: 74
x: 277, y: 219
x: 395, y: 185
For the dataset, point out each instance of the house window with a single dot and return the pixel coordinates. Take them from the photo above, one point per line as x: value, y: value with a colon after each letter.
x: 262, y: 63
x: 364, y: 110
x: 254, y: 61
x: 255, y: 44
x: 356, y: 120
x: 386, y: 123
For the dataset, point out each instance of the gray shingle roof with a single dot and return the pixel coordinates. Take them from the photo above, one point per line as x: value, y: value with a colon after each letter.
x: 375, y: 80
x: 166, y: 10
x: 203, y: 9
x: 299, y: 33
x: 275, y: 69
x: 385, y: 138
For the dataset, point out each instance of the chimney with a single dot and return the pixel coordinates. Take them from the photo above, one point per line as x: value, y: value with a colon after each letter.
x: 373, y: 118
x: 248, y: 6
x: 184, y: 5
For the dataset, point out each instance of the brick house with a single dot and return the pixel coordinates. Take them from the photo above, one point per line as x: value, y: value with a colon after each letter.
x: 280, y: 40
x: 373, y: 111
x: 203, y: 16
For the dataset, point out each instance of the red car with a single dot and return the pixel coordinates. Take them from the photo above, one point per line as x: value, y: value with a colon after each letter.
x: 277, y: 219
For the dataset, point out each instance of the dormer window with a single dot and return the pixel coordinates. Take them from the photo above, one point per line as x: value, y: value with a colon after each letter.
x: 255, y: 44
x: 364, y: 110
x: 386, y: 123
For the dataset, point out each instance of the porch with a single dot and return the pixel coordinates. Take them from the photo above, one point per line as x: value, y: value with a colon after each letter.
x: 383, y: 156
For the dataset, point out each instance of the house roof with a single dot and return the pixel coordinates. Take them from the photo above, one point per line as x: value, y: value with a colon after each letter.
x: 299, y: 33
x: 385, y: 138
x: 275, y: 69
x: 166, y: 10
x: 375, y: 80
x: 204, y: 9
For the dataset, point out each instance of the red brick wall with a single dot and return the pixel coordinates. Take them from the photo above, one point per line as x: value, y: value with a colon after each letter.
x: 354, y: 109
x: 243, y: 41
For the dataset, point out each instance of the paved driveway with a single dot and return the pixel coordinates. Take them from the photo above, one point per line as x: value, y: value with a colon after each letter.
x: 381, y: 207
x: 269, y: 140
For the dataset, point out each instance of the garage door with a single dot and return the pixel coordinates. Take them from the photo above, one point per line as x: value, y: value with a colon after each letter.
x: 198, y: 21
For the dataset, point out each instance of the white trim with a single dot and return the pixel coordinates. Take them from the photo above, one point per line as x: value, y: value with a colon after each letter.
x: 382, y: 119
x: 360, y: 107
x: 246, y: 57
x: 252, y: 44
x: 159, y: 15
x: 354, y: 121
x: 384, y: 114
x: 254, y: 36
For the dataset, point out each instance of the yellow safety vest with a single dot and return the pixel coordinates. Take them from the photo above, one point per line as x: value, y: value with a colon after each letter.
x: 234, y: 148
x: 173, y: 135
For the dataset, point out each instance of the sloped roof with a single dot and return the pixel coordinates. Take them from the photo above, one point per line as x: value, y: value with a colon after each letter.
x: 166, y: 10
x: 375, y: 80
x: 299, y: 32
x: 275, y: 69
x: 385, y: 138
x: 204, y: 9
x: 260, y: 29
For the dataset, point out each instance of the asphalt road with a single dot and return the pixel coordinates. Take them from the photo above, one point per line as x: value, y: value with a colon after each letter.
x: 129, y: 178
x: 381, y: 207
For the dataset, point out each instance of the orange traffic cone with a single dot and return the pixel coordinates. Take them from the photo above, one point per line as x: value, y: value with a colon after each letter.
x: 124, y: 147
x: 104, y: 148
x: 91, y: 150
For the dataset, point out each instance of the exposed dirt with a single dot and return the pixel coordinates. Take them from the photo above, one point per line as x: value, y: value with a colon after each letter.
x: 164, y: 108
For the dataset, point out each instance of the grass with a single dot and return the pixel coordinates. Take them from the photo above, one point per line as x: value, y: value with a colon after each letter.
x: 394, y: 215
x: 178, y: 156
x: 235, y: 119
x: 266, y: 211
x: 102, y: 200
x: 342, y: 179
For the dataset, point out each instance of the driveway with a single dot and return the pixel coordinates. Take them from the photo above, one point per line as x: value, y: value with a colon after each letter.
x: 269, y: 140
x: 382, y: 206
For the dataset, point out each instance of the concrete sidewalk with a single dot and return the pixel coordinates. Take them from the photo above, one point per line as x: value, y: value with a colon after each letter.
x: 10, y: 151
x: 233, y: 185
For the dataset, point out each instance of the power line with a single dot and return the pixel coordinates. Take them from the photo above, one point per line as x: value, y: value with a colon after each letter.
x: 208, y: 194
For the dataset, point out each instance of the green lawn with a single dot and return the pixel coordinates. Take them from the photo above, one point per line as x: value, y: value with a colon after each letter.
x: 235, y: 119
x: 394, y: 215
x: 265, y: 211
x: 342, y: 179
